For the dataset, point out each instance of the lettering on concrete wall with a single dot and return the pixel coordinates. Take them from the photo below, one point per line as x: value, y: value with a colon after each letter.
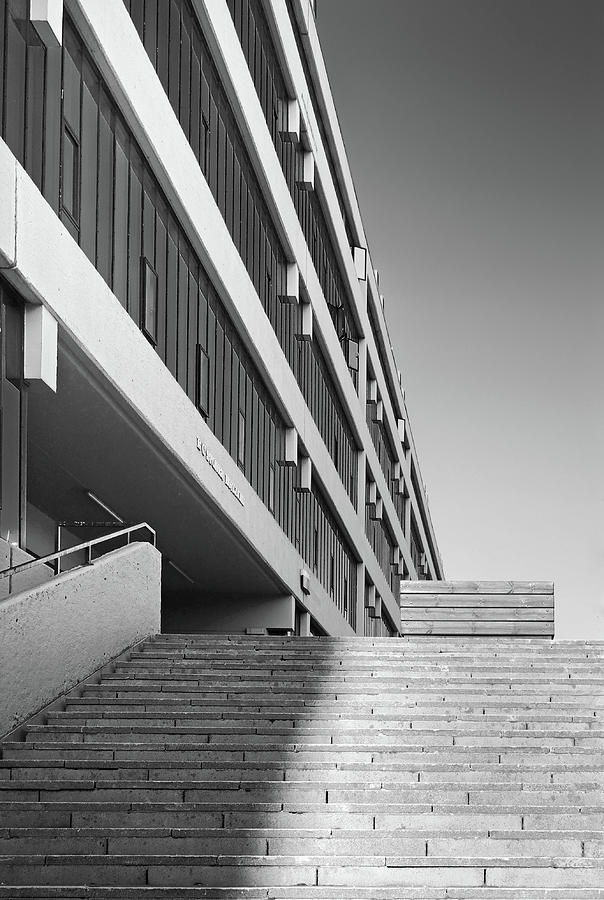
x: 213, y: 462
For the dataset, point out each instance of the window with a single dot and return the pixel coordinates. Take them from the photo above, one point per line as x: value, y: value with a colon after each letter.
x: 202, y: 381
x: 149, y: 301
x: 241, y: 444
x: 206, y: 146
x: 71, y: 174
x: 271, y: 489
x: 332, y: 574
x: 315, y: 555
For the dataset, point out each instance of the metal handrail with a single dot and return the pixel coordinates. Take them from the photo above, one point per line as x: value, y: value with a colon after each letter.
x: 87, y: 546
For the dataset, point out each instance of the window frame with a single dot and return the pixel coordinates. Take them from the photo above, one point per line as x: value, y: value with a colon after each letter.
x: 76, y: 174
x: 202, y: 363
x: 147, y: 268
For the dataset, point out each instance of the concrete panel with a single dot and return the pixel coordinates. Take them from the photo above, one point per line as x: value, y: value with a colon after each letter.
x: 72, y: 625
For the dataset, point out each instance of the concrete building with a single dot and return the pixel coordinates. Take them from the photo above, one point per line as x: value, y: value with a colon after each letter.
x: 193, y: 333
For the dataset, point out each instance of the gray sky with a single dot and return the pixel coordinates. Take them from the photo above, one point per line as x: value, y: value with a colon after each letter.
x: 475, y: 135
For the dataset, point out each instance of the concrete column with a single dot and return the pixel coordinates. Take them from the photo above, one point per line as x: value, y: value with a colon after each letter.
x: 305, y: 624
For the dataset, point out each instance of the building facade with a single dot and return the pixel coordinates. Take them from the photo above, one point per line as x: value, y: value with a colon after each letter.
x: 193, y: 333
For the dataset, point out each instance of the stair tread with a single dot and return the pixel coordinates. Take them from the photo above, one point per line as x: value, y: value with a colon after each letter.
x: 315, y: 760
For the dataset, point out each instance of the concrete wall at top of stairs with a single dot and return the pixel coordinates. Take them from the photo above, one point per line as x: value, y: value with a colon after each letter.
x: 56, y: 634
x: 477, y: 608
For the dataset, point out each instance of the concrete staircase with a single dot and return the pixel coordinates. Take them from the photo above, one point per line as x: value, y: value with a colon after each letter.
x: 203, y: 766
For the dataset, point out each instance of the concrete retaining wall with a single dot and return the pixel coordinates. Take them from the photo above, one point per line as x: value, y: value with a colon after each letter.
x: 55, y: 635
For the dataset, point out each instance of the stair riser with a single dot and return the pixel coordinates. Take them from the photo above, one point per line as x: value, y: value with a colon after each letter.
x: 356, y: 768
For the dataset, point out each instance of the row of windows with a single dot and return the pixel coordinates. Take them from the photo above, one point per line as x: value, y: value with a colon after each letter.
x: 317, y: 541
x: 377, y: 626
x: 22, y: 74
x: 416, y: 548
x: 177, y: 48
x: 387, y: 460
x: 258, y: 48
x: 256, y: 42
x: 383, y: 545
x: 318, y: 116
x: 114, y: 208
x: 380, y: 352
x: 424, y: 516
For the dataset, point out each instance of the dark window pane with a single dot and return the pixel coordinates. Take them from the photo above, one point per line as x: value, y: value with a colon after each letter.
x: 36, y: 56
x: 151, y: 29
x: 105, y: 189
x: 120, y: 225
x: 161, y: 253
x: 185, y: 75
x: 202, y: 400
x: 71, y: 90
x: 89, y: 170
x: 174, y: 56
x: 13, y: 341
x: 135, y: 237
x: 241, y: 456
x: 71, y: 175
x: 183, y: 317
x: 172, y: 299
x: 163, y: 34
x: 149, y: 301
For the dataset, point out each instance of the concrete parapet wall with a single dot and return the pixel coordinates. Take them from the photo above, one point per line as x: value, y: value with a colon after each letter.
x: 11, y: 555
x: 512, y: 608
x: 56, y: 634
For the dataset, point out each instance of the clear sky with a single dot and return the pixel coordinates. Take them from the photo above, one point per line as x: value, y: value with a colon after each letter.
x: 475, y: 135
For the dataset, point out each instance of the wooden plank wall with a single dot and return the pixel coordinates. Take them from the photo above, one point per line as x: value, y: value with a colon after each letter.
x: 480, y: 608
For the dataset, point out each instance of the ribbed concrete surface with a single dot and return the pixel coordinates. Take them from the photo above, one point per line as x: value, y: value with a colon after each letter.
x: 315, y: 768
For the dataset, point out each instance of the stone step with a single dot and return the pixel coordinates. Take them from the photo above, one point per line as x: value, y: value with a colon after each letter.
x: 511, y: 675
x: 343, y: 871
x: 467, y: 666
x: 144, y: 707
x: 172, y: 790
x: 315, y: 768
x: 149, y: 772
x: 511, y: 703
x: 359, y: 662
x: 338, y: 731
x: 34, y: 892
x: 274, y: 842
x: 191, y: 769
x: 422, y: 763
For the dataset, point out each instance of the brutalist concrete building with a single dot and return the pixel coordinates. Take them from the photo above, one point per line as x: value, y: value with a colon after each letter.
x: 193, y: 333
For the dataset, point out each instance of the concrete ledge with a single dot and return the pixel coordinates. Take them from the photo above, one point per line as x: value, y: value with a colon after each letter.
x: 513, y: 608
x: 57, y: 634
